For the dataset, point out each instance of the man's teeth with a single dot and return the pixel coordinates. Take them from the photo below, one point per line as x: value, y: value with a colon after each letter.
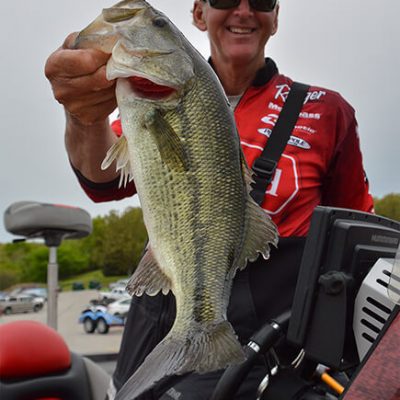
x: 240, y: 30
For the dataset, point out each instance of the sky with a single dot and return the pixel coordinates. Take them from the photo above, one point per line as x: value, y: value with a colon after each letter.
x: 352, y: 47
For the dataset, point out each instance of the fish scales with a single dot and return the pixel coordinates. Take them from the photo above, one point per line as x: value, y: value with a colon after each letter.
x: 181, y: 148
x: 206, y: 206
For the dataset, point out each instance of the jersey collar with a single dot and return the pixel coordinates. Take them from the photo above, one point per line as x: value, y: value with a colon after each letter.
x: 264, y: 74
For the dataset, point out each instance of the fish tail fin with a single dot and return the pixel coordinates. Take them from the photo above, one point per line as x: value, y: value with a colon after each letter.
x: 201, y: 350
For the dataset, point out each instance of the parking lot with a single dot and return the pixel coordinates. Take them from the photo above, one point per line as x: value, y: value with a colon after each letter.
x: 70, y: 305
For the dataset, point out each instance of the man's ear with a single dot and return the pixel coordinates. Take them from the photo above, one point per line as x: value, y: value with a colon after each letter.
x: 198, y: 15
x: 275, y: 25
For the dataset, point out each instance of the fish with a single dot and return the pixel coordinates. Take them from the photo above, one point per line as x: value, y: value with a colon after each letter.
x: 181, y: 148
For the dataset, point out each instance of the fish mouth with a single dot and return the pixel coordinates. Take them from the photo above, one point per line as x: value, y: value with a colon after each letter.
x: 144, y: 87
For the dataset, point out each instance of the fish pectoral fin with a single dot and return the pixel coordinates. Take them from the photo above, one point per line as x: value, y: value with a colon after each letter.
x: 148, y: 277
x: 119, y: 152
x: 168, y: 142
x: 260, y: 232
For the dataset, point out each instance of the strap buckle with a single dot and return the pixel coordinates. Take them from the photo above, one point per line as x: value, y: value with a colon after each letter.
x: 264, y: 168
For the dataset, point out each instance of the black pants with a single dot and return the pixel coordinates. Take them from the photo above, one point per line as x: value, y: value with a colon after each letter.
x: 264, y: 290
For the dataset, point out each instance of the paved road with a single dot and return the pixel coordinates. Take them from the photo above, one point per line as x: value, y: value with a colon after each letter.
x: 70, y: 305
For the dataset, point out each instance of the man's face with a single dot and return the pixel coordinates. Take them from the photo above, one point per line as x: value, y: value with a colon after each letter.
x: 237, y: 35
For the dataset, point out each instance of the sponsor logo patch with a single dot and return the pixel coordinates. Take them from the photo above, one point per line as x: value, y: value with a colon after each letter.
x: 293, y: 140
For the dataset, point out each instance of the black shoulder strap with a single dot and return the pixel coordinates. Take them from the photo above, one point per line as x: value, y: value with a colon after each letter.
x: 264, y: 166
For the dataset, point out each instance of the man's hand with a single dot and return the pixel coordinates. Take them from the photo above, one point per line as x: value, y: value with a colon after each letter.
x: 78, y: 80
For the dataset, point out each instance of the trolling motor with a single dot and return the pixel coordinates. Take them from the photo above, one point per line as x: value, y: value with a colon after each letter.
x: 53, y: 223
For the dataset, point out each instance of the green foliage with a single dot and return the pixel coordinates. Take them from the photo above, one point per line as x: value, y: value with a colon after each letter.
x: 388, y: 206
x: 73, y: 259
x: 12, y: 262
x: 9, y: 275
x: 8, y: 278
x: 123, y: 241
x: 114, y: 247
x: 94, y: 243
x: 34, y: 265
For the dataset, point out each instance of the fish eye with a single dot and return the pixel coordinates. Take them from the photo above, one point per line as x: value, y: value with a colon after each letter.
x: 159, y: 22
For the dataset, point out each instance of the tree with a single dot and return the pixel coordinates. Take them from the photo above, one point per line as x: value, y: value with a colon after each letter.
x: 115, y: 246
x: 9, y: 273
x: 34, y: 265
x: 123, y: 241
x: 94, y: 243
x: 73, y: 258
x: 388, y: 206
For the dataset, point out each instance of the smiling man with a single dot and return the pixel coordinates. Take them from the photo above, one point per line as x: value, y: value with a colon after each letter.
x: 320, y: 165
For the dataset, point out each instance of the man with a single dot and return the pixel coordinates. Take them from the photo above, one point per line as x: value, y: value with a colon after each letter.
x: 322, y: 164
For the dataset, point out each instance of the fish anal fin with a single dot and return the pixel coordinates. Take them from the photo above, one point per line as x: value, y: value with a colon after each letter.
x: 168, y: 142
x: 148, y: 277
x: 202, y: 349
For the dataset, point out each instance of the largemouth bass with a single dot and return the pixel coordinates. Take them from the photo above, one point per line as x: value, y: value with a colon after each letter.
x: 181, y: 148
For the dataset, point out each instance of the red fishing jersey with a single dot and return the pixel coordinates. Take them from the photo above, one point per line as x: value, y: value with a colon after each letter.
x: 321, y: 164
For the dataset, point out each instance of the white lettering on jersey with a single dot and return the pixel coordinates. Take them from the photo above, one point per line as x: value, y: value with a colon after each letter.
x: 314, y: 95
x: 265, y: 131
x: 303, y: 114
x: 274, y: 106
x: 305, y: 129
x: 307, y: 115
x: 270, y: 119
x: 283, y: 91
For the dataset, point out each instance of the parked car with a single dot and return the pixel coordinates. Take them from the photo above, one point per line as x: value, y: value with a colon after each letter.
x: 94, y: 285
x: 38, y: 300
x: 96, y: 318
x: 119, y: 307
x: 78, y: 286
x: 116, y: 294
x: 19, y: 304
x: 119, y: 283
x: 36, y: 292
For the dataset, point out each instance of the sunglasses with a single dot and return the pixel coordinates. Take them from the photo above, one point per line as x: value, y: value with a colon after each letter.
x: 258, y: 5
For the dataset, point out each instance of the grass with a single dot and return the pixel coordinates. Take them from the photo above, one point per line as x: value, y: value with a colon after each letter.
x: 90, y: 276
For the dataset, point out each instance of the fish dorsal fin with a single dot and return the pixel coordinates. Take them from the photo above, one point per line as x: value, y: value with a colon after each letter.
x: 148, y: 277
x: 168, y: 142
x: 119, y: 152
x: 261, y: 232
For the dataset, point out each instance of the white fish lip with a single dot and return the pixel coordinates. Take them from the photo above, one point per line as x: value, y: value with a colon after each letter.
x: 126, y: 71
